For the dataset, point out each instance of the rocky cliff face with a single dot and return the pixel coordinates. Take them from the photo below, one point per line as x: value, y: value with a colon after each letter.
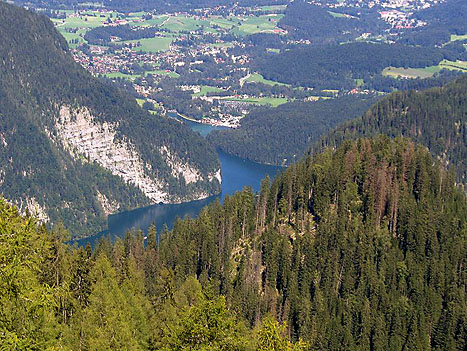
x: 85, y: 138
x: 97, y: 142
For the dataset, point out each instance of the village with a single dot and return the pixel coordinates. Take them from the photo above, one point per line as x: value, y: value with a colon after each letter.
x: 206, y: 43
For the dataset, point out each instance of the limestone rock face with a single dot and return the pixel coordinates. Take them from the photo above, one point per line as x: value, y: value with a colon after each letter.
x: 87, y: 139
x: 81, y: 135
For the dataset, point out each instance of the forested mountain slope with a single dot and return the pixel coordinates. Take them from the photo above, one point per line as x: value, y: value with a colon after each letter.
x: 283, y: 134
x: 312, y: 66
x: 75, y: 149
x: 435, y: 117
x: 361, y: 248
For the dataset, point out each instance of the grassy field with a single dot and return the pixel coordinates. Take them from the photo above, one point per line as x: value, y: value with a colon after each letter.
x: 205, y: 89
x: 455, y: 66
x: 83, y: 21
x: 151, y: 44
x: 258, y: 78
x: 397, y: 72
x: 260, y: 24
x: 276, y: 51
x: 458, y: 37
x: 72, y: 36
x: 184, y: 23
x: 225, y: 23
x: 401, y: 72
x: 274, y: 102
x: 336, y: 14
x: 272, y: 8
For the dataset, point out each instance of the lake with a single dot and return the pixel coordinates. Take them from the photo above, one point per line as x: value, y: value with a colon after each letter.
x: 236, y: 174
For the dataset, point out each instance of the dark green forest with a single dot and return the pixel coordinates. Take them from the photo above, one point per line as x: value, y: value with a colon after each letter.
x: 283, y: 134
x: 436, y: 118
x: 361, y: 248
x: 311, y: 66
x: 37, y: 77
x: 305, y: 20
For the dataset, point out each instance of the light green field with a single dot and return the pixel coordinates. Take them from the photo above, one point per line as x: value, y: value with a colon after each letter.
x: 142, y: 101
x: 401, y: 72
x: 458, y: 37
x: 151, y: 44
x: 261, y: 24
x: 83, y: 21
x: 184, y: 23
x: 336, y: 14
x: 205, y: 89
x: 454, y: 65
x: 426, y: 72
x: 272, y: 8
x: 258, y: 78
x: 225, y: 23
x: 72, y: 36
x: 276, y: 51
x: 274, y: 102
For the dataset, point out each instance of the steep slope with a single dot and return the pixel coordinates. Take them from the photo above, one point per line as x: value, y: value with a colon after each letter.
x: 359, y: 248
x: 76, y: 149
x: 436, y: 118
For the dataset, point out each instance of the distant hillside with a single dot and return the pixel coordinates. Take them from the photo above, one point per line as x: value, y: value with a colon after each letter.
x: 282, y: 135
x: 338, y: 66
x: 436, y: 118
x: 74, y: 149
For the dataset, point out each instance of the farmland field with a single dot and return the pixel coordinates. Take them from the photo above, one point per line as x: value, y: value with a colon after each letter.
x: 82, y: 21
x: 261, y: 24
x: 453, y: 65
x: 458, y: 37
x: 207, y: 89
x: 151, y: 44
x: 258, y: 78
x: 397, y: 72
x: 274, y: 102
x: 426, y: 72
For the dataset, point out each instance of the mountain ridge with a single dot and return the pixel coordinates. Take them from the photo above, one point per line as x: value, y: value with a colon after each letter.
x: 58, y: 119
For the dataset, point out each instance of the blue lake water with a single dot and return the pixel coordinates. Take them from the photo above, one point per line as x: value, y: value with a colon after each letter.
x: 236, y: 174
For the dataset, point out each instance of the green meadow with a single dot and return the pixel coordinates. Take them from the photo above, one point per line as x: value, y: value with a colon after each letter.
x: 260, y: 24
x: 205, y: 89
x: 151, y: 44
x: 458, y: 37
x: 426, y: 72
x: 274, y: 102
x: 258, y: 78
